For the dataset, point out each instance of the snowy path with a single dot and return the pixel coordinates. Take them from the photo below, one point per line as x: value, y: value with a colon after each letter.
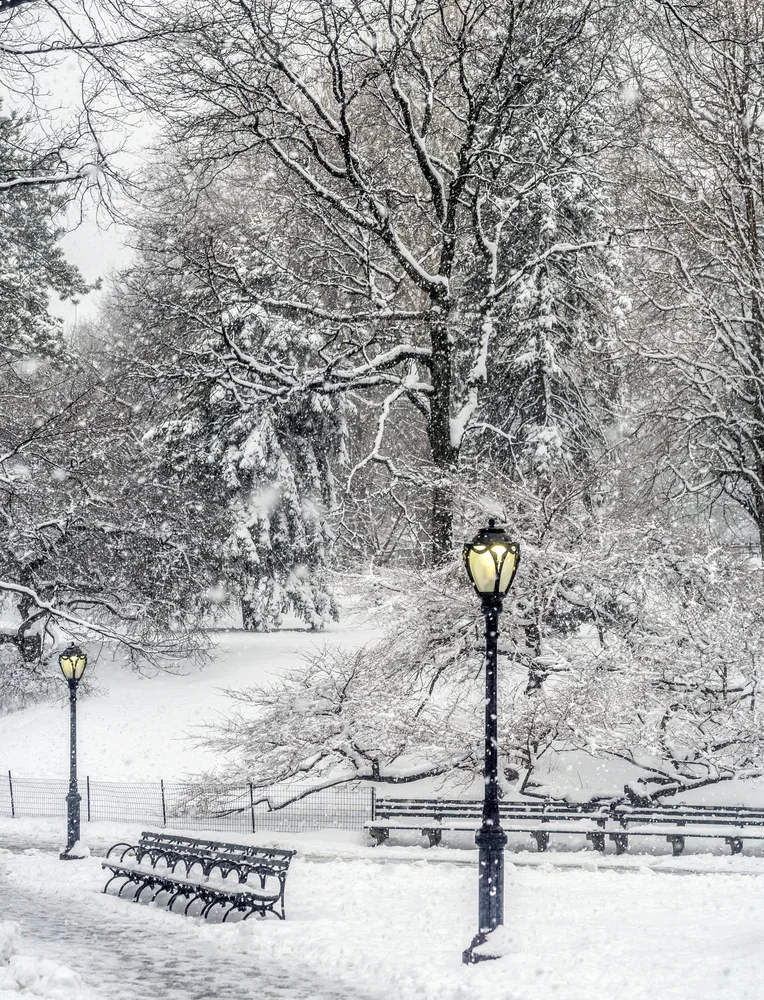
x: 361, y: 930
x: 108, y: 943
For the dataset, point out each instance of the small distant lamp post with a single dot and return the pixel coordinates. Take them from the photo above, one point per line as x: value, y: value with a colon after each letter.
x: 72, y: 662
x: 491, y: 561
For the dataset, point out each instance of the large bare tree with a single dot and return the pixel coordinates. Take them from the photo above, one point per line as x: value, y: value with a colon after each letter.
x: 407, y: 154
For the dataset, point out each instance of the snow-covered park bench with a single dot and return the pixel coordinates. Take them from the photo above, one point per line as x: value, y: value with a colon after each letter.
x: 598, y: 823
x: 242, y: 879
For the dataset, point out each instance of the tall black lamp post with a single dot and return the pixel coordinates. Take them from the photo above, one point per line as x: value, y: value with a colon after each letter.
x: 491, y: 561
x: 72, y: 662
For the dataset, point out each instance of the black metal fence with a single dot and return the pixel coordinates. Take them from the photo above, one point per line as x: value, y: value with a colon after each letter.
x: 193, y: 805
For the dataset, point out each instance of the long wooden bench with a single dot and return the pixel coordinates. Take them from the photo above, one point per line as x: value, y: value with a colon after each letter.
x: 242, y: 879
x: 598, y: 823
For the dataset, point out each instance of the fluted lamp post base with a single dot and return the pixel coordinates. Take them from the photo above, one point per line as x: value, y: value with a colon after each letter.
x: 491, y: 841
x: 71, y: 852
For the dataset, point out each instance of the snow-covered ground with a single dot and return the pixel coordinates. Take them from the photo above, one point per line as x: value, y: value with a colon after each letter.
x: 134, y: 727
x: 362, y: 922
x: 393, y: 925
x: 30, y: 974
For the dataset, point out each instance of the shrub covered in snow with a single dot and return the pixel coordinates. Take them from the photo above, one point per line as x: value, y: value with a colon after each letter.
x: 618, y: 641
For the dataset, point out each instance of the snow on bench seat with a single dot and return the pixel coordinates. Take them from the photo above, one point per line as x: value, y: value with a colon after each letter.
x: 674, y: 822
x: 215, y: 873
x: 230, y: 886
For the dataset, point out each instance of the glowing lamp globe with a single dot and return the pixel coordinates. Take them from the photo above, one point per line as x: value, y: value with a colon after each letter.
x: 73, y: 662
x: 491, y: 560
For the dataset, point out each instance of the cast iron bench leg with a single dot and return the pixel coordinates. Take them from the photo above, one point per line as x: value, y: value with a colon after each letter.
x: 621, y: 841
x: 379, y: 834
x: 598, y: 841
x: 677, y: 844
x: 542, y: 839
x: 434, y: 836
x: 735, y: 844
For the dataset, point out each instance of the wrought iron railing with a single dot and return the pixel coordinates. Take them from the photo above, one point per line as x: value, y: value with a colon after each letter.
x: 193, y: 805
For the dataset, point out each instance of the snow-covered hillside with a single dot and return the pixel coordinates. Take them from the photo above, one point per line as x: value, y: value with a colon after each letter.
x: 134, y: 727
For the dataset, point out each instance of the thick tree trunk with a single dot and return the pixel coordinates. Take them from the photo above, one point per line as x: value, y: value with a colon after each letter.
x: 28, y: 642
x: 442, y: 521
x: 445, y: 453
x: 757, y: 317
x: 759, y: 506
x: 537, y: 674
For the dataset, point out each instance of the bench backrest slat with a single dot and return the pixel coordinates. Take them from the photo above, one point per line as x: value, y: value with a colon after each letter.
x: 216, y: 850
x: 556, y: 810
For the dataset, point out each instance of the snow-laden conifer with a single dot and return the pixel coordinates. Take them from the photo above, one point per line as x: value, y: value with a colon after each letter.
x: 264, y: 462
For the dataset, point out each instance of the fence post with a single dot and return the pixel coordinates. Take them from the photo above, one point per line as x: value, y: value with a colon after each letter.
x: 164, y: 806
x: 10, y: 788
x: 87, y: 782
x: 252, y: 805
x: 373, y: 803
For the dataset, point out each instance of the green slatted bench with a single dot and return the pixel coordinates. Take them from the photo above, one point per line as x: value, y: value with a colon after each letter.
x: 675, y: 822
x: 242, y: 879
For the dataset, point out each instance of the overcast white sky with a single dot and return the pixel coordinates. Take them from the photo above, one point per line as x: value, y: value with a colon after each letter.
x: 97, y: 251
x: 93, y: 244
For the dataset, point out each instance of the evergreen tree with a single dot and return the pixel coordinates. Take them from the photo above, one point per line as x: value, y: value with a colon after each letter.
x: 265, y: 464
x: 32, y: 263
x: 268, y: 466
x: 551, y: 376
x: 91, y: 544
x: 278, y: 551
